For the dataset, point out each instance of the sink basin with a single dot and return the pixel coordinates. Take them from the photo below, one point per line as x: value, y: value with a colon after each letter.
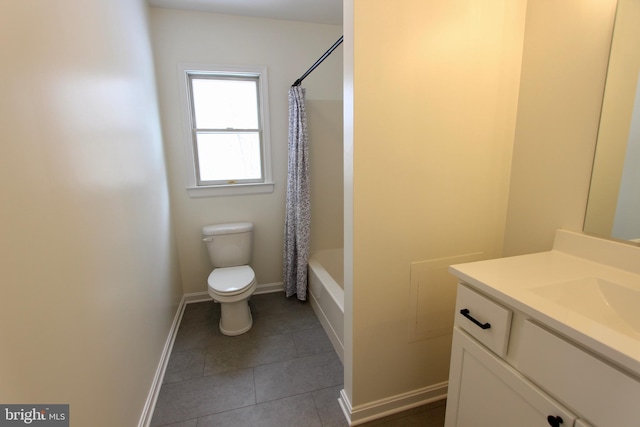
x: 610, y: 304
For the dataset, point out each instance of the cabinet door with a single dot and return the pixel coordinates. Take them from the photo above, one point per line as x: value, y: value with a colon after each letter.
x: 486, y: 392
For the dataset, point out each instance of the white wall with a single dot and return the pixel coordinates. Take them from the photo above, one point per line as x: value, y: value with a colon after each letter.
x: 89, y: 281
x: 435, y: 87
x: 566, y: 50
x: 288, y: 49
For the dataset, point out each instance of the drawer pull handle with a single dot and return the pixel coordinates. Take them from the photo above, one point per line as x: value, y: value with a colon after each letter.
x: 554, y: 421
x: 465, y: 313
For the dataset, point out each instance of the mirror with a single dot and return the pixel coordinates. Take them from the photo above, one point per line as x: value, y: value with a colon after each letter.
x: 613, y: 209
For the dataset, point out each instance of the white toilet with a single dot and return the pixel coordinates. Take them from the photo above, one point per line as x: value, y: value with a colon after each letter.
x: 232, y: 280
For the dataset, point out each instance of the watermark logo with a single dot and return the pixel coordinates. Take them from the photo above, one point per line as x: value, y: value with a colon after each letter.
x: 34, y: 415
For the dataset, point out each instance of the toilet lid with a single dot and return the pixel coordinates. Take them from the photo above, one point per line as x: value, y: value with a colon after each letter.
x: 231, y: 280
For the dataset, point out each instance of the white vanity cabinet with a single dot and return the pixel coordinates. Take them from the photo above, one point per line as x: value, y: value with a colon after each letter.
x: 548, y: 339
x: 483, y: 389
x: 529, y: 376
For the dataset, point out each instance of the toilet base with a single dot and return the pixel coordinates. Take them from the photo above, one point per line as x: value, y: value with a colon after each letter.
x: 235, y: 318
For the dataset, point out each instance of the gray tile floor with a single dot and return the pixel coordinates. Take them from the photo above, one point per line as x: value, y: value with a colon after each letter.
x: 283, y: 372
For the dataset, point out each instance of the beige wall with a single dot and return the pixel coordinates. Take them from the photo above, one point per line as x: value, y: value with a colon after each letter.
x: 89, y: 281
x: 440, y: 190
x: 564, y: 65
x: 435, y: 89
x: 287, y: 49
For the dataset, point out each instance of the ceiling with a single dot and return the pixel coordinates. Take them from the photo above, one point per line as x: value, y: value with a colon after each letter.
x: 318, y: 11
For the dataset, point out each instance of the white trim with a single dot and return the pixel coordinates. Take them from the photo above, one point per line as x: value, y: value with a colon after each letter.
x: 264, y: 288
x: 345, y: 405
x: 391, y: 405
x: 197, y: 297
x: 193, y: 189
x: 150, y: 404
x: 267, y: 288
x: 230, y: 190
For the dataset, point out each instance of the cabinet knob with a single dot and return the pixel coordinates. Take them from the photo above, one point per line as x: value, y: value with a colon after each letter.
x: 554, y: 421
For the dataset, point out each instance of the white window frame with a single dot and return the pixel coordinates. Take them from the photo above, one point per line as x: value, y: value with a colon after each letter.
x: 194, y: 190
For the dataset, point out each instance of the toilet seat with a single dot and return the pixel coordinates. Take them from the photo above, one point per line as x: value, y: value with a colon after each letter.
x: 228, y: 281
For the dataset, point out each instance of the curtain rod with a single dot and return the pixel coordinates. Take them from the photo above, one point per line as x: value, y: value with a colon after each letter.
x: 319, y: 61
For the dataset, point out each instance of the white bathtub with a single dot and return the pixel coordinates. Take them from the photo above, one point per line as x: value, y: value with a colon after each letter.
x: 326, y: 293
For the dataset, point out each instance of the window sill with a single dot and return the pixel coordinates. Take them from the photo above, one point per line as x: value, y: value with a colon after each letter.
x: 230, y: 190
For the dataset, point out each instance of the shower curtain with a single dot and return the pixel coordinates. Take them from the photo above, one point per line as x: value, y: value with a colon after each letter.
x: 297, y: 224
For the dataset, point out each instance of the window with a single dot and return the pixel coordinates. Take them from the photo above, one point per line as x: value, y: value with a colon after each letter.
x: 226, y: 130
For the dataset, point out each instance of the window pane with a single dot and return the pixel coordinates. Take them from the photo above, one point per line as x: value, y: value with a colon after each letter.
x: 228, y: 156
x: 224, y: 104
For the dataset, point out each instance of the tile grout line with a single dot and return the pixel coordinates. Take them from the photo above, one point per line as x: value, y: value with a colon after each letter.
x: 298, y: 347
x: 255, y: 388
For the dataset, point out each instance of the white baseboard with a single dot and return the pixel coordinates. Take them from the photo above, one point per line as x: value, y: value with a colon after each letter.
x: 196, y: 297
x: 345, y: 405
x: 267, y: 288
x: 150, y: 404
x: 391, y: 405
x: 264, y: 288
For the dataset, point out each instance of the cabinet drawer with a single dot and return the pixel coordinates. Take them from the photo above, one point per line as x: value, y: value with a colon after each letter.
x: 484, y: 319
x: 601, y: 393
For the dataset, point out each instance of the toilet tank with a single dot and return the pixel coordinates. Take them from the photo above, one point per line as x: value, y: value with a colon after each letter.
x: 229, y: 245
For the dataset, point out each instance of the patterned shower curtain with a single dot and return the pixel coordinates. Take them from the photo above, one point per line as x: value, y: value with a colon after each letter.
x: 297, y: 223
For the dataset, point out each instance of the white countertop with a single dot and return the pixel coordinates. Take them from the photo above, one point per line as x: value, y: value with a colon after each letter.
x: 517, y: 281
